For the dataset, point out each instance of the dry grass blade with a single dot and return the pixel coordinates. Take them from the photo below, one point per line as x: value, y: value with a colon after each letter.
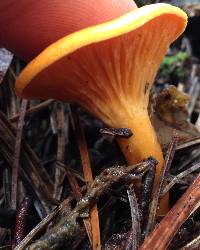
x: 162, y: 235
x: 60, y: 150
x: 158, y: 189
x: 15, y: 167
x: 169, y: 158
x: 135, y: 216
x: 180, y: 176
x: 87, y: 171
x: 146, y: 194
x: 36, y: 108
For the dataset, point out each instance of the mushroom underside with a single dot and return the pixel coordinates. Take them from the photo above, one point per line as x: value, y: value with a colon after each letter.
x: 109, y: 76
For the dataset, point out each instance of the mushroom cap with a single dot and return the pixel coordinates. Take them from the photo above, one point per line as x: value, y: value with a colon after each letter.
x: 106, y: 65
x: 28, y: 27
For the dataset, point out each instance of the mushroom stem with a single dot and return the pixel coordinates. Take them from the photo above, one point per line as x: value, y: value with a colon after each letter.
x: 142, y: 145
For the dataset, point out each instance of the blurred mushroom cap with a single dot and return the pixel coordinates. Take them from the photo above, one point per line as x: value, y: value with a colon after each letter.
x: 28, y: 27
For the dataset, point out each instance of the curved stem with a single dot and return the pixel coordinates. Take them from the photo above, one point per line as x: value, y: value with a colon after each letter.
x: 142, y: 145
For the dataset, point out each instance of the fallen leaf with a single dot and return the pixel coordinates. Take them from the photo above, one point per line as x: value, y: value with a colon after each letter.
x: 170, y: 112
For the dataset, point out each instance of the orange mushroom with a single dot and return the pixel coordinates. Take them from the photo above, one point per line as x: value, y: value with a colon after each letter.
x: 109, y: 69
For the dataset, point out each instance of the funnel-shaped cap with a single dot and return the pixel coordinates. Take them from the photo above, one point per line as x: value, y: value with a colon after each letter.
x: 107, y: 67
x: 28, y: 27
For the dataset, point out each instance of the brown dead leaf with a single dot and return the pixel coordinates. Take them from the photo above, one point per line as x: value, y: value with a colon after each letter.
x: 171, y: 113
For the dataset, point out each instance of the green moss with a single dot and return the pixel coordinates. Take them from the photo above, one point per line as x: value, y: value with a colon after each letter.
x: 175, y: 66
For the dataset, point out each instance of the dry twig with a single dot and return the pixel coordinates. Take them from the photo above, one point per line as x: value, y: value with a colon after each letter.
x: 66, y: 228
x: 162, y: 235
x: 15, y: 167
